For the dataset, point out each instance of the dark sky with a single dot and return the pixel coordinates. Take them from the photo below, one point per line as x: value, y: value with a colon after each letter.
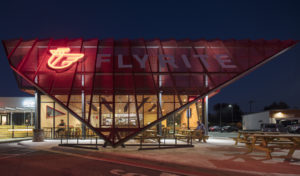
x: 268, y: 19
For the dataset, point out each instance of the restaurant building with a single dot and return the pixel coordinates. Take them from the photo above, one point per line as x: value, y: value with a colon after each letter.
x: 117, y: 89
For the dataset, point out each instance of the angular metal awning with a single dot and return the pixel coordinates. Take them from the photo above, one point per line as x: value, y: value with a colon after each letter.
x: 64, y: 69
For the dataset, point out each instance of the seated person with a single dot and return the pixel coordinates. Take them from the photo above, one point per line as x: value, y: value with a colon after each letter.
x: 201, y: 130
x: 200, y: 127
x: 61, y: 127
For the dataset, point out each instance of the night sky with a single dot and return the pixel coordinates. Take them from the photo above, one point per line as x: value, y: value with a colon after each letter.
x: 275, y: 81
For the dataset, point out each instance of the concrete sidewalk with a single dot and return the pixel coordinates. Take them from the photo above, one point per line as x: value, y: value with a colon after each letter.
x: 10, y: 140
x: 216, y: 154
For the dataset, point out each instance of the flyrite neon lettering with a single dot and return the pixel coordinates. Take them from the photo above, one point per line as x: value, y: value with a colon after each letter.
x: 222, y: 59
x: 63, y: 58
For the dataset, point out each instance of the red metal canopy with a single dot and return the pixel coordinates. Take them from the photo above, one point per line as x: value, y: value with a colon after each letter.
x: 64, y: 68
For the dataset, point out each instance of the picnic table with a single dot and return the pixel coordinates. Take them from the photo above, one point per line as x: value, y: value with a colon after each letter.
x: 189, y: 135
x: 148, y: 134
x: 268, y: 142
x: 245, y: 136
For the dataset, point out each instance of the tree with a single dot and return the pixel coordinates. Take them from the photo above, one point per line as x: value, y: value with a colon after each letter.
x: 227, y: 113
x: 275, y: 105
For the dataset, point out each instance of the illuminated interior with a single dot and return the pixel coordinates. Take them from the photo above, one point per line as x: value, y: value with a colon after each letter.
x: 125, y: 114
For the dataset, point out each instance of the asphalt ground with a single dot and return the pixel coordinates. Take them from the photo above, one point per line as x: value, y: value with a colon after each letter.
x: 18, y: 160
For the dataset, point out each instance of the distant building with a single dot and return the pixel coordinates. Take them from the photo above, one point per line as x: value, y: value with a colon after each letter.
x: 17, y: 110
x: 285, y: 116
x: 17, y: 116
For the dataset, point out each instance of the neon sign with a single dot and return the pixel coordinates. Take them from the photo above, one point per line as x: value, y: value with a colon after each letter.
x: 62, y: 59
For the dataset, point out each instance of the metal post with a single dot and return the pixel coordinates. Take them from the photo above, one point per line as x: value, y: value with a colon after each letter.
x: 54, y: 120
x: 24, y: 116
x: 37, y: 110
x: 31, y: 120
x: 206, y: 107
x: 68, y: 123
x: 188, y: 114
x: 11, y: 123
x: 83, y: 114
x: 96, y: 142
x: 83, y: 103
x: 174, y: 115
x: 202, y: 110
x: 206, y: 114
x: 159, y: 114
x: 159, y: 98
x: 158, y: 142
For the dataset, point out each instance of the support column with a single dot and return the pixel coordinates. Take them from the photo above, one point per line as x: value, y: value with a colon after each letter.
x: 24, y: 117
x: 83, y: 115
x: 205, y: 107
x: 12, y: 125
x: 38, y: 133
x: 37, y: 117
x: 205, y: 115
x: 83, y: 127
x: 188, y: 116
x: 31, y: 119
x: 159, y: 125
x: 53, y: 127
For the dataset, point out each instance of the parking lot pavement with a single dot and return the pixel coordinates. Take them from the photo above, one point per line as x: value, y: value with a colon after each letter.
x: 219, y: 156
x: 20, y: 160
x: 223, y: 135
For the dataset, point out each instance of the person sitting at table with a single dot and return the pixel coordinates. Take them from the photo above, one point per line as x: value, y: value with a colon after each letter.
x: 200, y: 126
x: 61, y: 127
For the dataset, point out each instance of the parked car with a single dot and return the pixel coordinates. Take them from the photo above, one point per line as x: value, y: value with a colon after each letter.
x: 268, y: 127
x: 294, y: 128
x: 229, y: 129
x: 272, y: 127
x: 214, y: 128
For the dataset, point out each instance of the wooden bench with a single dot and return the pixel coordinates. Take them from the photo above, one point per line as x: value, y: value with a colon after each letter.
x: 198, y: 134
x: 193, y: 134
x: 269, y: 142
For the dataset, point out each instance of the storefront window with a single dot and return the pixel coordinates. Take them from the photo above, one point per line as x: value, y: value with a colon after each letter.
x: 125, y: 114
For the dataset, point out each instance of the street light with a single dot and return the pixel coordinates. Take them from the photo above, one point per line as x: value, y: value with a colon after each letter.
x: 231, y: 107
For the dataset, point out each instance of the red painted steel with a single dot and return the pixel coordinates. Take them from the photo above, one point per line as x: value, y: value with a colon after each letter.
x: 135, y: 67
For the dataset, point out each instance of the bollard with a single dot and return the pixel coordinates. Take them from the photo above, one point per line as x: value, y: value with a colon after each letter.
x: 38, y: 135
x: 96, y: 142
